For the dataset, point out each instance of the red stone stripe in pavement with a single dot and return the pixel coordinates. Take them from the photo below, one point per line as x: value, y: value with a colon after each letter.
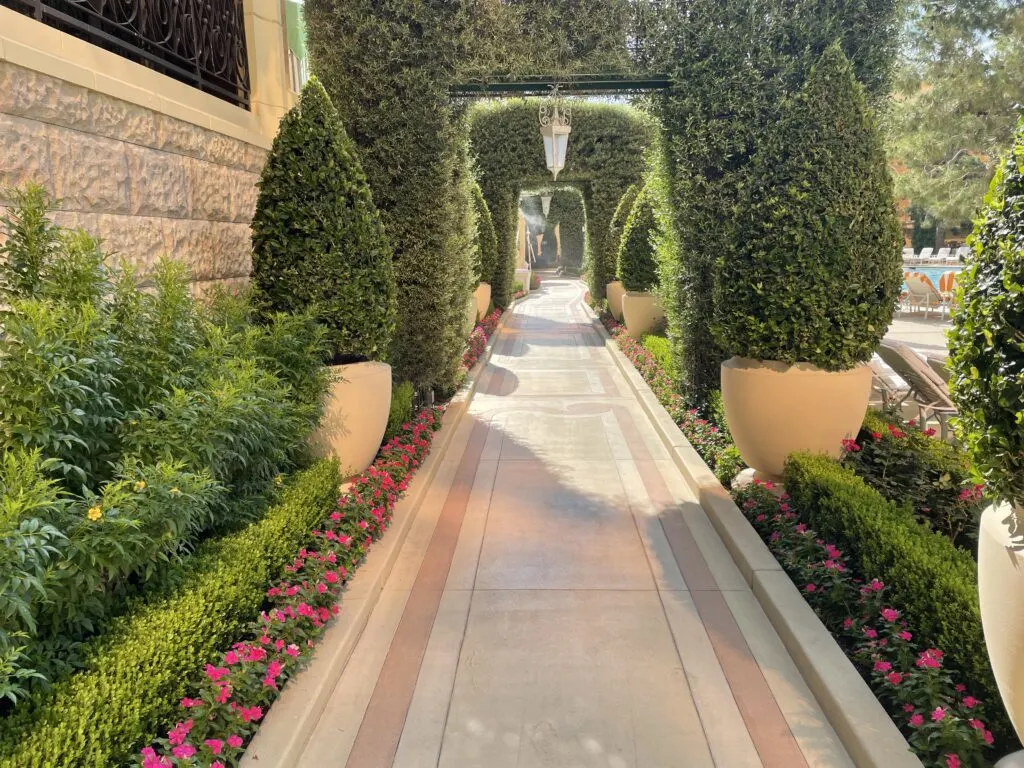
x: 769, y: 731
x: 381, y: 729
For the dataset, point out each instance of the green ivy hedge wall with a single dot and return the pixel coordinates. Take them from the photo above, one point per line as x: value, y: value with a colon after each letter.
x: 606, y: 156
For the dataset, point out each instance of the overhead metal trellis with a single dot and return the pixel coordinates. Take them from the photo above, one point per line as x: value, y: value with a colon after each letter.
x: 577, y: 85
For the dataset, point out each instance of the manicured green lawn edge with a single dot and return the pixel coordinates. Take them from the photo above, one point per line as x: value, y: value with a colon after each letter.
x: 934, y: 581
x: 142, y: 666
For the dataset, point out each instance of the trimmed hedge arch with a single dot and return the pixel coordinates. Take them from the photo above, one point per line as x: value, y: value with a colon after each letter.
x: 606, y: 155
x: 568, y: 212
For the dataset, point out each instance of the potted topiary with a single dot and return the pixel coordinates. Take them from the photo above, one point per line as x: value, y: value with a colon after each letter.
x: 614, y: 289
x: 318, y: 244
x: 487, y: 252
x: 638, y: 269
x: 811, y: 284
x: 987, y: 384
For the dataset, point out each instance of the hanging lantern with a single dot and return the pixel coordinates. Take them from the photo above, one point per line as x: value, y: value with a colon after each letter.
x: 555, y: 117
x: 545, y: 203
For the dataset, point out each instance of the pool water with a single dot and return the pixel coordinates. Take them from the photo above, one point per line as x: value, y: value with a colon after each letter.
x: 933, y: 273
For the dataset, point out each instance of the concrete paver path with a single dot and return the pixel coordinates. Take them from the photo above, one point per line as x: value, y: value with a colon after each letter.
x: 561, y: 599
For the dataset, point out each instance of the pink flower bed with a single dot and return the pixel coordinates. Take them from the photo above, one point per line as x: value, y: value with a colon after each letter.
x: 943, y: 723
x: 478, y: 339
x: 224, y: 713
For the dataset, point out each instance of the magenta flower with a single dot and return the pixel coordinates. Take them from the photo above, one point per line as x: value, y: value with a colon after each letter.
x: 906, y: 636
x: 916, y: 720
x: 234, y: 741
x: 938, y: 714
x: 882, y: 666
x: 896, y: 678
x: 952, y: 761
x: 970, y: 702
x: 183, y: 752
x: 890, y: 614
x: 215, y: 745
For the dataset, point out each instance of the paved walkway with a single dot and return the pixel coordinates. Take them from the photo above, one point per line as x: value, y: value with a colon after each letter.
x: 561, y: 599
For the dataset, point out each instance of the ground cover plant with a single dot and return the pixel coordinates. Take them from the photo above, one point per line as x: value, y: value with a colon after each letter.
x: 941, y: 717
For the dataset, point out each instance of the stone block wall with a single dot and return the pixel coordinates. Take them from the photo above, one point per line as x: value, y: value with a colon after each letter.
x: 150, y: 185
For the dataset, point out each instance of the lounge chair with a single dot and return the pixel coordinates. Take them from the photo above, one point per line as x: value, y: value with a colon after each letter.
x: 938, y: 364
x: 942, y: 255
x: 925, y: 255
x: 962, y: 253
x: 947, y: 286
x: 921, y: 293
x: 908, y: 255
x: 891, y: 389
x: 926, y: 387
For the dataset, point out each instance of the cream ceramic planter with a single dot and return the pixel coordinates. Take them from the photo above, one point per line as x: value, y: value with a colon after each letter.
x: 523, y: 276
x: 355, y: 415
x: 774, y: 409
x: 614, y: 292
x: 482, y: 294
x: 1000, y: 585
x: 641, y: 312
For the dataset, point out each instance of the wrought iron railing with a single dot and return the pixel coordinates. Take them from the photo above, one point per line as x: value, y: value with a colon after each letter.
x: 199, y: 42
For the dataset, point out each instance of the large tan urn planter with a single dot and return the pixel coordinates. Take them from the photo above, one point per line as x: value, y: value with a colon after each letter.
x: 1000, y: 586
x: 614, y: 292
x: 355, y: 415
x: 774, y: 409
x: 482, y: 295
x: 641, y: 312
x: 523, y: 276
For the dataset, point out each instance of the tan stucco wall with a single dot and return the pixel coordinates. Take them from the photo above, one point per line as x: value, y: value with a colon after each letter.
x: 151, y: 165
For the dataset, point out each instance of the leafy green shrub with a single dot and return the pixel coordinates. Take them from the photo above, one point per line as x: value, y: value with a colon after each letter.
x: 132, y: 679
x: 986, y: 348
x: 486, y: 238
x: 610, y: 249
x: 661, y: 349
x: 818, y: 269
x: 318, y: 243
x: 401, y: 408
x: 127, y: 415
x: 637, y: 268
x: 568, y: 212
x: 935, y: 581
x: 908, y: 466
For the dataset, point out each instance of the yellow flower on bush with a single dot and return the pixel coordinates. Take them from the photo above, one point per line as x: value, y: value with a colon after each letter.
x: 175, y: 491
x: 279, y: 480
x: 95, y: 512
x: 140, y: 486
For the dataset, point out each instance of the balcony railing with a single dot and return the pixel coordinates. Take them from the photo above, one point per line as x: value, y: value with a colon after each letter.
x: 199, y: 42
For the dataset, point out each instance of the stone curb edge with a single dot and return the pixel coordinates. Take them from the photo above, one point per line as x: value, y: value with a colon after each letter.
x: 862, y: 724
x: 292, y: 718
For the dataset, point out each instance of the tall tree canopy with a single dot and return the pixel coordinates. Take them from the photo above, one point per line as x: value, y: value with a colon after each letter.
x: 958, y: 92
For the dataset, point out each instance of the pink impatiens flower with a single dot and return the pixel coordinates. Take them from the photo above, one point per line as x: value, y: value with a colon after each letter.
x: 234, y: 741
x: 938, y: 714
x: 916, y: 720
x: 970, y: 702
x: 896, y: 678
x: 882, y: 666
x: 890, y: 614
x: 952, y: 761
x: 184, y: 751
x: 215, y: 745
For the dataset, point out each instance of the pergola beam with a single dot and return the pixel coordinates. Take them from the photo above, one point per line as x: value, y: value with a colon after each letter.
x: 580, y: 85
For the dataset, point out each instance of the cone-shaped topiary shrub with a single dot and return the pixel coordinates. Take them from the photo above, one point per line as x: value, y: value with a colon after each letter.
x: 815, y: 271
x: 987, y: 340
x: 610, y: 251
x: 317, y: 240
x: 637, y: 266
x: 486, y: 238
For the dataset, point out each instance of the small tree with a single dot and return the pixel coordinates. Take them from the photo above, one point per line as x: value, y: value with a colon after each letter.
x: 815, y: 269
x: 610, y: 249
x: 486, y: 238
x: 318, y: 243
x: 637, y: 267
x: 987, y: 340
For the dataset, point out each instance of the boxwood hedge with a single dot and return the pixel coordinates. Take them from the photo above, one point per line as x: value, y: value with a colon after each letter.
x: 636, y: 265
x: 936, y: 582
x: 136, y: 672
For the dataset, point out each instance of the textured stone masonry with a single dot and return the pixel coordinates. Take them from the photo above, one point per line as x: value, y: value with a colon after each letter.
x: 148, y: 184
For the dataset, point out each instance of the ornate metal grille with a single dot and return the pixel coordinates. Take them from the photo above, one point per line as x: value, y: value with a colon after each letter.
x: 199, y: 42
